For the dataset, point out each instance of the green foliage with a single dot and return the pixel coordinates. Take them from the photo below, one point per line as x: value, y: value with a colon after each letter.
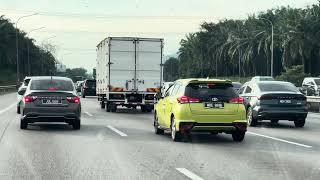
x: 171, y: 69
x: 76, y: 74
x: 217, y: 48
x: 42, y: 62
x: 294, y: 75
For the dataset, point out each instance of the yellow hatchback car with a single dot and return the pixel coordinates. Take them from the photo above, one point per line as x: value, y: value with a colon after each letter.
x: 200, y: 105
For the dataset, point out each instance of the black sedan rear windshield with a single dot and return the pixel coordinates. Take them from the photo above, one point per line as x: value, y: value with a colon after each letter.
x: 51, y: 84
x: 277, y: 87
x: 205, y: 92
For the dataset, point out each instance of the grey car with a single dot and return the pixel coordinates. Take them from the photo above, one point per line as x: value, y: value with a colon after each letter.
x: 274, y: 100
x: 50, y: 99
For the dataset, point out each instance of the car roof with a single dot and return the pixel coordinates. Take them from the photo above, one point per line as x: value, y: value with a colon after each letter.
x: 30, y: 77
x: 262, y: 77
x: 312, y: 78
x: 49, y: 77
x: 273, y: 82
x: 203, y: 80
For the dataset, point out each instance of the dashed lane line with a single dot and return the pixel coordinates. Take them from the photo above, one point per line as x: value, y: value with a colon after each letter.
x: 89, y: 114
x: 189, y: 174
x: 7, y: 108
x: 281, y: 140
x: 117, y: 131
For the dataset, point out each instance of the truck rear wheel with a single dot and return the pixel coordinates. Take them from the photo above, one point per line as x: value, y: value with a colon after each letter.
x: 143, y: 108
x: 111, y: 107
x: 107, y: 106
x: 102, y: 104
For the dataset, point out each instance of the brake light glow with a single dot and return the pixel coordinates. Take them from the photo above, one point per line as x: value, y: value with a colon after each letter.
x: 238, y: 100
x: 186, y: 99
x: 52, y: 88
x: 211, y: 86
x: 29, y: 99
x: 73, y: 99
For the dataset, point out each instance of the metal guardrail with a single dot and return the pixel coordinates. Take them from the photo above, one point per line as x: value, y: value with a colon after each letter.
x: 6, y: 89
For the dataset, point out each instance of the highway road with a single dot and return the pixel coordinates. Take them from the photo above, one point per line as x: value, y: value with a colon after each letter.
x: 122, y: 145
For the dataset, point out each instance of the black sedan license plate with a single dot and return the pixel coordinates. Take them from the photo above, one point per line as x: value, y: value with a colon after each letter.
x: 51, y: 101
x: 214, y: 105
x: 285, y: 101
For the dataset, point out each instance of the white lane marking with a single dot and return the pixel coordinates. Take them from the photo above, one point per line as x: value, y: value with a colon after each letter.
x: 117, y: 131
x: 89, y: 114
x: 278, y: 139
x: 189, y: 174
x: 7, y: 108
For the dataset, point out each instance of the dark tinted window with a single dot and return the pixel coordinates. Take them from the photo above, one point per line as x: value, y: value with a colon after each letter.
x: 241, y: 90
x: 248, y: 90
x: 277, y: 87
x: 91, y: 83
x: 51, y: 84
x: 205, y: 92
x: 317, y: 81
x: 26, y: 82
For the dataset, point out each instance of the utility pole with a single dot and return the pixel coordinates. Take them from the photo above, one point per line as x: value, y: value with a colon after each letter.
x: 271, y: 48
x: 42, y: 63
x: 17, y: 45
x: 28, y: 47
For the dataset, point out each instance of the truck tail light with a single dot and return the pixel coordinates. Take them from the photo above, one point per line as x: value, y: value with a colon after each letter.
x: 74, y: 99
x: 29, y: 99
x: 186, y: 99
x: 238, y: 100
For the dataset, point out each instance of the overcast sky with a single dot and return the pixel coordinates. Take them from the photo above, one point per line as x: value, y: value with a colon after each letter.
x: 78, y: 25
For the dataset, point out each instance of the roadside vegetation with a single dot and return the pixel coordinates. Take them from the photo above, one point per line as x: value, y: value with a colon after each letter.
x: 225, y: 48
x: 42, y: 61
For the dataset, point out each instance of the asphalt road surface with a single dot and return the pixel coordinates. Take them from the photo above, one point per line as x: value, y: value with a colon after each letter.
x: 122, y: 145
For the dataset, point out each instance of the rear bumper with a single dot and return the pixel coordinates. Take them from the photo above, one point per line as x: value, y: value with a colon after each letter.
x: 212, y: 127
x: 261, y: 113
x: 50, y: 114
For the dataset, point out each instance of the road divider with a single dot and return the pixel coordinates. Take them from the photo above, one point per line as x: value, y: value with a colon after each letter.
x: 7, y: 108
x: 278, y: 139
x: 89, y: 114
x: 117, y: 131
x: 189, y: 174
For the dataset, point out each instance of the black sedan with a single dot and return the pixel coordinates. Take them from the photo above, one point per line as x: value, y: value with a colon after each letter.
x: 274, y: 100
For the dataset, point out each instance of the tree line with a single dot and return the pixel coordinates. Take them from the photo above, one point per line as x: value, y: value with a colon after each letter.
x: 42, y: 61
x: 243, y: 47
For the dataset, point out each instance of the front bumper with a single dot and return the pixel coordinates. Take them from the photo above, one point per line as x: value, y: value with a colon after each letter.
x: 262, y: 113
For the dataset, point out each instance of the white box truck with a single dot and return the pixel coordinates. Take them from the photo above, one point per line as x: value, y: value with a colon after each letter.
x: 129, y: 72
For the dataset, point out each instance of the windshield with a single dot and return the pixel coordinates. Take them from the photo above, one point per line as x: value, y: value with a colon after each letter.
x: 317, y: 81
x: 265, y: 87
x: 54, y: 85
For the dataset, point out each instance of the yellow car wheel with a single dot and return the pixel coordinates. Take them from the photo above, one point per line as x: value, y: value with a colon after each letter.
x: 175, y: 135
x: 157, y: 130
